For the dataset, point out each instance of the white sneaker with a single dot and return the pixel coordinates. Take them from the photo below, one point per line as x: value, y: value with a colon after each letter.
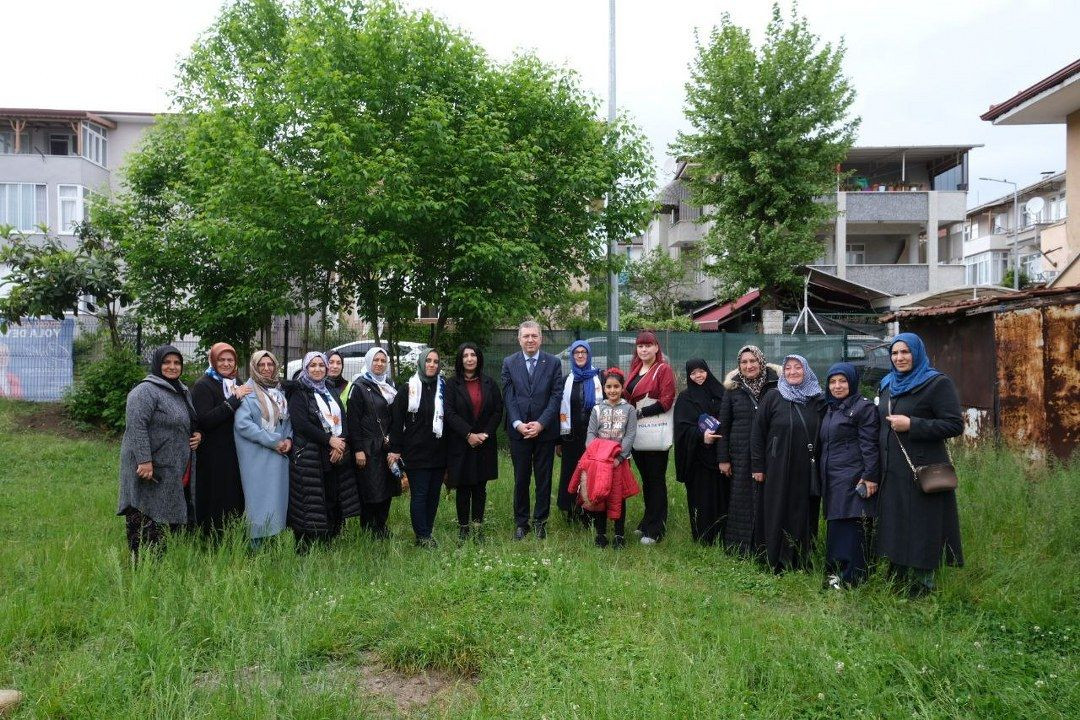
x: 833, y: 582
x: 646, y: 540
x: 638, y: 532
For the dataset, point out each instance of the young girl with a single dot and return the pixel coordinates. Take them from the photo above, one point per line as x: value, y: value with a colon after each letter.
x: 615, y: 419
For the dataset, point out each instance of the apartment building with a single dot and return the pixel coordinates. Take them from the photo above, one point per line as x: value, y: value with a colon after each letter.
x: 53, y: 161
x: 992, y: 229
x: 898, y: 228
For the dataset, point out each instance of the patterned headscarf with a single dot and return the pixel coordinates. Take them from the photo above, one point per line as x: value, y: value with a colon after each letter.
x: 227, y: 381
x: 805, y: 390
x: 305, y: 379
x: 754, y: 385
x: 384, y: 382
x: 270, y: 403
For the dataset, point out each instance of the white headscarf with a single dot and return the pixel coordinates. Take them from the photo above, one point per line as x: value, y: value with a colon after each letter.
x: 383, y: 381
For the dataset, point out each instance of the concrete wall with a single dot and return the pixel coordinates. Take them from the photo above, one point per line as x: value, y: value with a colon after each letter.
x: 1072, y: 179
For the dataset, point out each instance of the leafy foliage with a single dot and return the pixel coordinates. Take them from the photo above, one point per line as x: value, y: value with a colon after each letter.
x: 99, y: 395
x: 47, y: 278
x: 656, y: 280
x: 770, y: 126
x: 357, y: 155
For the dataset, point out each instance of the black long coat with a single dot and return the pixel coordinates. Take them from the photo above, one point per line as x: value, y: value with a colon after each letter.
x: 849, y: 453
x: 412, y: 435
x: 779, y: 447
x: 696, y: 467
x: 737, y: 412
x: 466, y: 465
x: 219, y: 494
x: 368, y: 416
x: 321, y: 494
x: 915, y: 529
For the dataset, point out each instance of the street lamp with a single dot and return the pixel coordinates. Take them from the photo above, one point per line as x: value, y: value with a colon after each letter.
x: 1016, y: 229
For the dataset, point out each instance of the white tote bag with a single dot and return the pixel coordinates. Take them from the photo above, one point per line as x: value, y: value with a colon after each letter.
x: 656, y: 432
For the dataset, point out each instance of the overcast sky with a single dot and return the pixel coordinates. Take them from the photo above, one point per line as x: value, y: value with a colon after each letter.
x: 924, y: 70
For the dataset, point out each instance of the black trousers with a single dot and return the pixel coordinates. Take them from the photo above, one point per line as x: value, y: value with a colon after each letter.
x: 373, y: 517
x: 571, y: 453
x: 471, y: 500
x: 145, y: 532
x: 532, y: 458
x: 652, y: 466
x: 847, y: 544
x: 600, y: 521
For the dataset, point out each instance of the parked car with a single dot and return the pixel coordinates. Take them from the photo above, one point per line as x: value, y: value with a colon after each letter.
x: 870, y: 356
x: 353, y: 354
x: 627, y: 348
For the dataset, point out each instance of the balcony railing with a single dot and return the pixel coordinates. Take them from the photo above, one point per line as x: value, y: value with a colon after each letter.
x: 900, y: 279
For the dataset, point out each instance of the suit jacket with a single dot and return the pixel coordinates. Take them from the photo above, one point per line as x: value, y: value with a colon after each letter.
x: 532, y: 398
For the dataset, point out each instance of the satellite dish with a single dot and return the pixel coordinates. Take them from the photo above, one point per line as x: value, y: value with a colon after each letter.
x: 1034, y: 206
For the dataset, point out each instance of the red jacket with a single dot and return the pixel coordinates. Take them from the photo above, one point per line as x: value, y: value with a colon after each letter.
x: 608, y: 484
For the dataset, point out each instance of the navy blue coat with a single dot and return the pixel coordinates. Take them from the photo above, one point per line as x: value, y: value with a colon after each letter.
x: 849, y: 453
x: 532, y: 398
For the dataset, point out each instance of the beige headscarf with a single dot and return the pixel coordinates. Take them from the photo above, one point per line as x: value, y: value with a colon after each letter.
x: 272, y: 410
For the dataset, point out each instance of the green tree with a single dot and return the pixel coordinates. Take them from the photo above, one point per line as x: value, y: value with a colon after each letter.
x: 47, y: 278
x: 340, y: 155
x: 657, y: 280
x: 770, y: 124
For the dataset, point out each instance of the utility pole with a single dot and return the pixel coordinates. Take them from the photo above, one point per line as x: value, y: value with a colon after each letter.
x: 1016, y: 229
x: 612, y: 251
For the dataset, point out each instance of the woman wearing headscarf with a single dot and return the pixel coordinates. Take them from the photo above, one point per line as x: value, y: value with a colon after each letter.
x: 580, y: 393
x: 217, y: 396
x: 744, y: 388
x: 696, y: 465
x: 157, y: 453
x: 263, y: 434
x: 919, y: 410
x: 370, y: 397
x: 418, y: 441
x: 335, y: 369
x: 474, y: 408
x: 322, y: 486
x: 783, y: 458
x: 849, y: 475
x: 650, y: 388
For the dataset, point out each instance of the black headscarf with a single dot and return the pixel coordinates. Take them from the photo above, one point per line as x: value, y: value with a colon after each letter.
x: 459, y: 362
x: 692, y: 402
x: 156, y: 360
x: 338, y: 382
x: 706, y: 396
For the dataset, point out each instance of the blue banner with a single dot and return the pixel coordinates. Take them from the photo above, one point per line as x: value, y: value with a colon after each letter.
x: 35, y: 359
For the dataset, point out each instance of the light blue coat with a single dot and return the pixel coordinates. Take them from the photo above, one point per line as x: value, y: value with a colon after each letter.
x: 264, y: 472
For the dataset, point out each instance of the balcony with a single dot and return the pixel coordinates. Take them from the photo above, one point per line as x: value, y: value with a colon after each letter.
x: 900, y: 279
x: 686, y: 233
x: 53, y: 170
x: 904, y: 207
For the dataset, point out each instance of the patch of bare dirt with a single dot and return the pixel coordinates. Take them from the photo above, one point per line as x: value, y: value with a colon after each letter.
x: 397, y: 691
x: 52, y: 419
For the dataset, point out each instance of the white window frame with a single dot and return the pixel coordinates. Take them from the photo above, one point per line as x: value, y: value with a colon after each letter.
x: 41, y: 214
x: 79, y: 214
x: 95, y: 143
x: 855, y: 249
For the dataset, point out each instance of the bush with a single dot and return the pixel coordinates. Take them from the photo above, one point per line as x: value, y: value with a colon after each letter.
x: 99, y: 396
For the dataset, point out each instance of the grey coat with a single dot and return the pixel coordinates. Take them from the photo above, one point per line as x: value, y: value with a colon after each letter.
x: 158, y: 429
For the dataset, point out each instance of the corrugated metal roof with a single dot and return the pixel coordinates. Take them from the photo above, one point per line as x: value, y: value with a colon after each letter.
x: 1015, y: 301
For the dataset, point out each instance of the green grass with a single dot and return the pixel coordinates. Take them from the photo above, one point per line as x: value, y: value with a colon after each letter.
x: 556, y: 629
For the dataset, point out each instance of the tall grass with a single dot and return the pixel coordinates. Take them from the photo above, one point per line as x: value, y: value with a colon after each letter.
x: 557, y: 629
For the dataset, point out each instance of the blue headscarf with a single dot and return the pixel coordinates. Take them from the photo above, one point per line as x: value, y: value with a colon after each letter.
x: 305, y: 379
x: 848, y: 371
x: 899, y: 383
x: 585, y: 374
x: 805, y: 390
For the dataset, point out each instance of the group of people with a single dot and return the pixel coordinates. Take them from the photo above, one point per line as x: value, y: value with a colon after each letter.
x: 759, y: 454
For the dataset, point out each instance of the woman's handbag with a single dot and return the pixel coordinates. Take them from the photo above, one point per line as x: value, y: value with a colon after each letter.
x: 656, y: 432
x: 932, y: 478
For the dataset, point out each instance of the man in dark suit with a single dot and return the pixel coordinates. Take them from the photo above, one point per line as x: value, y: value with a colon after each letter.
x: 532, y: 389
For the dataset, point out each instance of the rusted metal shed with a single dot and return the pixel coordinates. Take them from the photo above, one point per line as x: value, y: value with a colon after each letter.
x: 1015, y: 361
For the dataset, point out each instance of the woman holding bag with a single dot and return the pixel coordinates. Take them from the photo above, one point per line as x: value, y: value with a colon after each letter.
x: 650, y: 388
x: 919, y: 410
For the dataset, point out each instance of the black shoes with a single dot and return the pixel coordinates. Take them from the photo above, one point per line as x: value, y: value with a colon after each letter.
x: 602, y: 541
x: 620, y: 542
x: 541, y: 531
x: 463, y: 533
x: 520, y: 532
x: 426, y: 543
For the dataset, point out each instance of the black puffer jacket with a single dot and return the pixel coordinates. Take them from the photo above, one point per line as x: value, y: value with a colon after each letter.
x: 737, y: 412
x: 321, y: 495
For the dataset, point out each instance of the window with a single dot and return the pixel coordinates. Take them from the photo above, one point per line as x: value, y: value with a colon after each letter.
x: 23, y: 206
x: 71, y: 202
x: 1001, y: 223
x: 973, y: 230
x: 856, y: 254
x: 986, y: 268
x: 7, y: 142
x: 95, y: 144
x: 61, y: 144
x: 1031, y: 265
